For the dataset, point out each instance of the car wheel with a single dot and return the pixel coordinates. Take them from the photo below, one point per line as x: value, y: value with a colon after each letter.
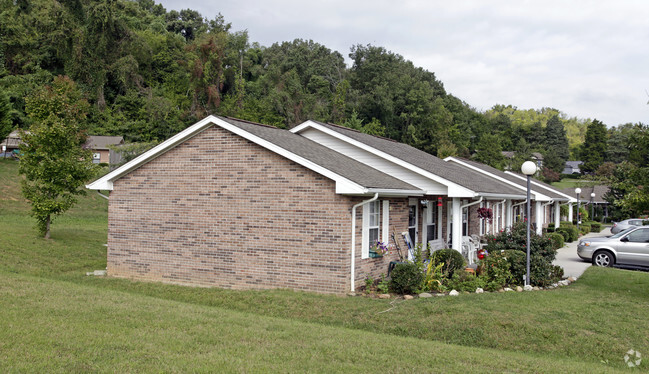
x: 603, y: 258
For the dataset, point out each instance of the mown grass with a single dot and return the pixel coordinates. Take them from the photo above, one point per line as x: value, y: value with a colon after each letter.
x: 54, y: 318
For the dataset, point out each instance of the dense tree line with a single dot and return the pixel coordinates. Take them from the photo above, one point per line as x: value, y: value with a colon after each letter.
x: 149, y: 73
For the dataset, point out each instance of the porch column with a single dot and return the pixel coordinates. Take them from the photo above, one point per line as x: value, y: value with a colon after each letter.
x: 570, y: 212
x: 538, y: 217
x: 557, y: 214
x: 457, y: 225
x: 509, y: 214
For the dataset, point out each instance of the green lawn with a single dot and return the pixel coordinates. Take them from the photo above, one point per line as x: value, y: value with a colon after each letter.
x: 54, y: 318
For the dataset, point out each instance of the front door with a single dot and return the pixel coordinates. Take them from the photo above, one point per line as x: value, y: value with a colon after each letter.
x: 412, y: 223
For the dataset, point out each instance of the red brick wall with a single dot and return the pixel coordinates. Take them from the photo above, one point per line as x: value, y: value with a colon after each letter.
x: 221, y: 211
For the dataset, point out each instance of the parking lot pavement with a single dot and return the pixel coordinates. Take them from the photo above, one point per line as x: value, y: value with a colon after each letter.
x: 567, y: 258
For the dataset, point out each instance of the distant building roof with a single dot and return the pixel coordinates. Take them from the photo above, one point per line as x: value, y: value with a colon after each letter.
x: 13, y: 140
x: 511, y: 154
x: 600, y: 192
x: 102, y: 142
x: 572, y: 167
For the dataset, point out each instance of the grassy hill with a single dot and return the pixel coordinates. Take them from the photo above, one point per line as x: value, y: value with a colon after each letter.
x: 56, y: 319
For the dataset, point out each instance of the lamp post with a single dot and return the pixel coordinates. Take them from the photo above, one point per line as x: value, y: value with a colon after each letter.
x: 592, y: 206
x: 578, y: 192
x: 528, y: 168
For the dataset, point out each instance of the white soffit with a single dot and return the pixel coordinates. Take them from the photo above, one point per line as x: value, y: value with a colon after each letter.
x: 454, y: 189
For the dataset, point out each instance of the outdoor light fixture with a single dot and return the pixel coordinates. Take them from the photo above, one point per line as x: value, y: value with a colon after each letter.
x: 578, y: 191
x: 528, y: 168
x: 439, y: 201
x: 592, y: 206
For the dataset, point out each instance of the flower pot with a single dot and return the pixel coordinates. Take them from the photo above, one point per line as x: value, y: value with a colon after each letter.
x: 375, y: 254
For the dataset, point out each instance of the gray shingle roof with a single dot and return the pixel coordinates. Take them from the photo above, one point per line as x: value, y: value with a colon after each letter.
x: 450, y: 171
x: 336, y: 162
x: 102, y: 142
x: 600, y: 192
x: 544, y: 188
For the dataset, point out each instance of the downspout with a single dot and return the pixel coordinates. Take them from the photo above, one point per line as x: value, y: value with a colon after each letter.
x: 472, y: 203
x: 353, y: 267
x: 457, y: 237
x: 569, y: 204
x: 517, y: 204
x: 543, y: 207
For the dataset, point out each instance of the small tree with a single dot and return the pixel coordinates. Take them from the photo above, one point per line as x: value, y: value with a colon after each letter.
x: 53, y: 161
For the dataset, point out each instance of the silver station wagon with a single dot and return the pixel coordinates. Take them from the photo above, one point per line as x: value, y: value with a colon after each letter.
x: 629, y: 247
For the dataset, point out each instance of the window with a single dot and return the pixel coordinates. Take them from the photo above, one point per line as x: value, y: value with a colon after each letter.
x: 639, y: 236
x: 374, y: 219
x: 431, y: 222
x: 372, y: 225
x: 412, y: 222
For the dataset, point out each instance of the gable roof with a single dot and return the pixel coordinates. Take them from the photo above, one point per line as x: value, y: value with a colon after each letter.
x: 102, y: 142
x: 447, y: 173
x: 351, y: 176
x: 541, y: 190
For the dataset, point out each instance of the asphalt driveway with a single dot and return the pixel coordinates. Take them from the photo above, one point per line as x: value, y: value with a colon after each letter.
x: 567, y: 257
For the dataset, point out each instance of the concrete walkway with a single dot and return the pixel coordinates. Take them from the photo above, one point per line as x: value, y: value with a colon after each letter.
x: 567, y: 258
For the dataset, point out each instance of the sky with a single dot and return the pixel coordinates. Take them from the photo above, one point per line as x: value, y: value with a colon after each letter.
x: 586, y: 58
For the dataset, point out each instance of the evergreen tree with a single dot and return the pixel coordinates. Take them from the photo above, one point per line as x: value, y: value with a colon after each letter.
x: 593, y: 151
x: 555, y: 141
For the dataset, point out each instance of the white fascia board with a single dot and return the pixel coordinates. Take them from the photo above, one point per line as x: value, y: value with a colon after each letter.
x: 536, y: 195
x: 453, y: 188
x: 106, y: 182
x: 343, y: 185
x: 502, y: 196
x: 396, y: 193
x: 570, y: 199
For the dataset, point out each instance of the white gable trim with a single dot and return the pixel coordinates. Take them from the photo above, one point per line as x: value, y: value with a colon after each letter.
x: 343, y: 185
x: 537, y: 195
x: 454, y: 189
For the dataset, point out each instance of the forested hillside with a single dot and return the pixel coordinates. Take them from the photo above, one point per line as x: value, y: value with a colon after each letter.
x: 149, y: 73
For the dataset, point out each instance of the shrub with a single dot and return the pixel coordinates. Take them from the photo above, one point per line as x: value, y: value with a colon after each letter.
x: 595, y: 227
x: 494, y: 269
x: 516, y: 238
x: 540, y: 271
x: 550, y: 227
x: 541, y: 249
x: 517, y: 265
x: 584, y: 228
x: 406, y: 278
x: 463, y: 281
x: 557, y: 240
x: 570, y: 233
x: 451, y: 259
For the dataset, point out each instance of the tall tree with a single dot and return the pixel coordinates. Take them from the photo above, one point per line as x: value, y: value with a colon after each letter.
x: 593, y: 151
x: 5, y: 117
x: 555, y: 141
x: 53, y: 162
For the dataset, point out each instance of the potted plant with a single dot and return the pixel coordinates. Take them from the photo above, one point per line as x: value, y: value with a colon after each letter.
x: 379, y: 249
